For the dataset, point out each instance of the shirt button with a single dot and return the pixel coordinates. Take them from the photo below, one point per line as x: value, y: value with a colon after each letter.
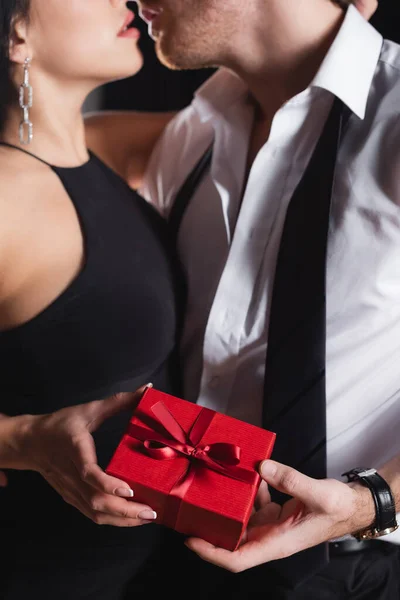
x: 214, y: 382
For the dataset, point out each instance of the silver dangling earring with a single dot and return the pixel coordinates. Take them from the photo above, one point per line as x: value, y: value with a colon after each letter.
x: 26, y: 102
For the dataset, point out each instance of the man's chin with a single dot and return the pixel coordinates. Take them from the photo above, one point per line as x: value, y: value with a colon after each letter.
x: 176, y: 58
x: 170, y: 59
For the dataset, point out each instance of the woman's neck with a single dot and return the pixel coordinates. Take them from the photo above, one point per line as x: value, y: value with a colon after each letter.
x: 58, y: 126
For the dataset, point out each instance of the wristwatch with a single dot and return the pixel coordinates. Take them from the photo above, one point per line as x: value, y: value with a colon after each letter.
x: 385, y: 507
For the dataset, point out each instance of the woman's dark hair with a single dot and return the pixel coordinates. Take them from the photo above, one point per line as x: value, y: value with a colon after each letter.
x: 10, y: 10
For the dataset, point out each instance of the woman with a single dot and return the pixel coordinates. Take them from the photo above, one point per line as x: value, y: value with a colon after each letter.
x: 88, y: 300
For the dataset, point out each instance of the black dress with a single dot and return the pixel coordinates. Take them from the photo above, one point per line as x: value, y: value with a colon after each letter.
x: 113, y: 329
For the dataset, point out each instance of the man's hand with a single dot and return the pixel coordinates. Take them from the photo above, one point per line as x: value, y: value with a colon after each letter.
x: 366, y: 7
x: 61, y: 448
x: 319, y: 510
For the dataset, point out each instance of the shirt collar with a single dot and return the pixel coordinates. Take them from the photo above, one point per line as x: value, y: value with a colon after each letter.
x: 349, y: 67
x: 218, y: 93
x: 347, y: 72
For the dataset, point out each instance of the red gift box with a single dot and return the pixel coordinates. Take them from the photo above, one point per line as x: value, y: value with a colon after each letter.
x: 198, y: 469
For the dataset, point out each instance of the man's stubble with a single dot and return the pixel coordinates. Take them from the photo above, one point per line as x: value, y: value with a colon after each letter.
x: 199, y: 37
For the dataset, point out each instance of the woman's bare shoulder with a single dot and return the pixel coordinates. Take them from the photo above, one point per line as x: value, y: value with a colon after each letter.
x: 13, y: 192
x: 20, y: 174
x: 23, y: 182
x: 125, y: 139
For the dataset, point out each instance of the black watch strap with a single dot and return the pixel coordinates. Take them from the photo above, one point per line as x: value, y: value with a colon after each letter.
x: 385, y: 507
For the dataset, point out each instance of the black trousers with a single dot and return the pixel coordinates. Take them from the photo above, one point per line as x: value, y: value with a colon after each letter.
x: 373, y: 574
x: 369, y: 575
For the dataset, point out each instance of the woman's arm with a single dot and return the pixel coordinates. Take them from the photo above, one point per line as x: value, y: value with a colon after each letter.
x: 124, y: 140
x: 12, y: 431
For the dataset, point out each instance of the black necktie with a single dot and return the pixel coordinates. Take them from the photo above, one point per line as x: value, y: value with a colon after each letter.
x: 294, y: 391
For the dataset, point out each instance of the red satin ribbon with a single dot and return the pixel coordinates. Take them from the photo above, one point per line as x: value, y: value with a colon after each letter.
x: 223, y: 458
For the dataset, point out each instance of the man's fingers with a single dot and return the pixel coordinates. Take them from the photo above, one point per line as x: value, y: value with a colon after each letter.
x: 101, y: 410
x: 210, y: 553
x: 268, y: 514
x: 244, y: 558
x: 263, y: 496
x: 291, y: 482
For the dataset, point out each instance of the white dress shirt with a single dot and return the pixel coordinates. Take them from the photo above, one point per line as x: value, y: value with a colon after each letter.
x: 230, y: 256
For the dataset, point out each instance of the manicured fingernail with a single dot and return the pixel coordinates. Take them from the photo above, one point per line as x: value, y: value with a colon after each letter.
x: 124, y: 492
x: 149, y: 385
x: 147, y: 515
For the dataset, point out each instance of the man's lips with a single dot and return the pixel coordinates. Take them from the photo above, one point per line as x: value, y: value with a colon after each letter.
x: 150, y: 14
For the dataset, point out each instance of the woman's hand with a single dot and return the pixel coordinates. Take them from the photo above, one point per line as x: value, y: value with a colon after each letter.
x: 61, y: 448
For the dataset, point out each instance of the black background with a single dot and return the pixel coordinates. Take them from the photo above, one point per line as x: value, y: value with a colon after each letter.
x: 156, y: 88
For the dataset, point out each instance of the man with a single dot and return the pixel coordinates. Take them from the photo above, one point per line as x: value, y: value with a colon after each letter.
x: 284, y: 62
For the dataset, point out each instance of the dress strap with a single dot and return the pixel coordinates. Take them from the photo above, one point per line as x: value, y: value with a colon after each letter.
x: 26, y: 152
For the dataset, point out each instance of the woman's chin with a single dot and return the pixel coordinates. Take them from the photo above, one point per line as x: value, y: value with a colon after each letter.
x: 134, y: 70
x: 128, y: 69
